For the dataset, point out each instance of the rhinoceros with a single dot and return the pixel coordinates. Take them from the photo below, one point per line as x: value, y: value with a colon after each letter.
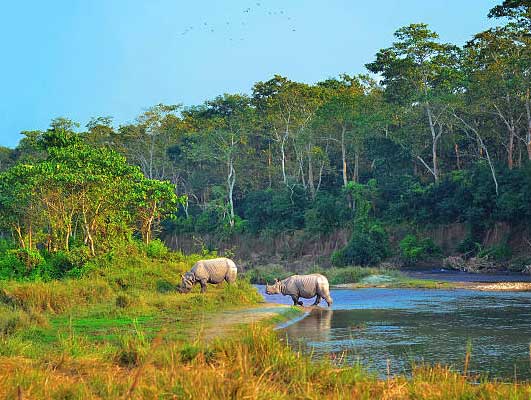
x: 305, y: 286
x: 214, y: 271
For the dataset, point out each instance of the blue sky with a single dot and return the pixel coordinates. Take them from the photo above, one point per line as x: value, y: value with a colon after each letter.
x: 85, y: 58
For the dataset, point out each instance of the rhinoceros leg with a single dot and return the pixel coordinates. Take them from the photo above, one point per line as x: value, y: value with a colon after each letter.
x: 203, y: 284
x: 230, y: 278
x: 296, y: 301
x: 317, y: 301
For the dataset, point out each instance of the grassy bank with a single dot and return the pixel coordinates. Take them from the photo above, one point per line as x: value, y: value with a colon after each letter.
x: 354, y: 277
x: 123, y: 303
x: 254, y: 364
x: 123, y: 331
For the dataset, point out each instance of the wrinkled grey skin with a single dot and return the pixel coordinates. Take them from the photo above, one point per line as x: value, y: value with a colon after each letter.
x: 214, y: 271
x: 305, y: 286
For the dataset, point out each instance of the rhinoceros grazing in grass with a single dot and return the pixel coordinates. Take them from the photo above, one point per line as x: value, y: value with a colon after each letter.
x: 214, y: 271
x: 305, y: 286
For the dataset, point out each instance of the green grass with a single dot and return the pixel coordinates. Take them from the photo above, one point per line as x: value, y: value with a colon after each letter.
x: 127, y: 293
x: 354, y: 276
x: 76, y: 340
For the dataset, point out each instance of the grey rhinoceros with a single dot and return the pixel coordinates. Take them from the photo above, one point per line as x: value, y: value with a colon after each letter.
x: 305, y: 286
x: 214, y: 271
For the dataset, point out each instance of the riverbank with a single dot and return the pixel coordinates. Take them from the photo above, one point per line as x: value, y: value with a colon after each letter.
x: 126, y: 333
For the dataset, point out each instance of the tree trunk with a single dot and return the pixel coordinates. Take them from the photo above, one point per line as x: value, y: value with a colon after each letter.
x: 21, y: 241
x: 90, y: 239
x: 269, y: 162
x: 30, y: 236
x: 356, y: 174
x: 231, y: 180
x: 528, y: 114
x: 510, y: 148
x: 434, y: 158
x: 344, y: 156
x: 434, y: 139
x: 283, y: 156
x: 310, y: 173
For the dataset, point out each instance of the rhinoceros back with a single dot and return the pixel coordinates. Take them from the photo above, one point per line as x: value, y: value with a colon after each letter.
x: 215, y: 270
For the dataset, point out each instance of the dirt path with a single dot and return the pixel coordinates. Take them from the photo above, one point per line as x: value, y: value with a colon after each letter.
x: 228, y: 321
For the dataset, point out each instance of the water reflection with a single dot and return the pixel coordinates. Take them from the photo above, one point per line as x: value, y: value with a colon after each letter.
x: 318, y: 324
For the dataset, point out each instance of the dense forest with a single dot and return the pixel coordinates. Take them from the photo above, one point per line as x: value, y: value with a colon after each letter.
x: 433, y: 135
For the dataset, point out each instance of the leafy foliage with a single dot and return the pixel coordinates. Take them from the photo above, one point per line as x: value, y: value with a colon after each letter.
x: 414, y: 249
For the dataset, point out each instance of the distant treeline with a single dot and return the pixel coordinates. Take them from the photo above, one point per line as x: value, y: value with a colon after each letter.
x: 442, y: 135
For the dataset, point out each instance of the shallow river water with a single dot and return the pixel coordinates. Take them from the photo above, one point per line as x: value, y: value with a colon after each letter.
x: 400, y: 327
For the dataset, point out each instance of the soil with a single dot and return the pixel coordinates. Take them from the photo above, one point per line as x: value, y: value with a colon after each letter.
x: 227, y: 322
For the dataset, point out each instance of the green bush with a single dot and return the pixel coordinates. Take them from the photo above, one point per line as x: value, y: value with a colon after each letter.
x: 414, y: 249
x: 367, y: 246
x: 157, y: 249
x: 23, y: 264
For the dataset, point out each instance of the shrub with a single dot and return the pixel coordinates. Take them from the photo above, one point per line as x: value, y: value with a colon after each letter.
x: 367, y: 246
x: 157, y: 249
x: 414, y: 249
x: 23, y: 264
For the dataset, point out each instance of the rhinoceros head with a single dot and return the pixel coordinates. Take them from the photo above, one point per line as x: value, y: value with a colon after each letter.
x: 187, y: 282
x: 274, y: 288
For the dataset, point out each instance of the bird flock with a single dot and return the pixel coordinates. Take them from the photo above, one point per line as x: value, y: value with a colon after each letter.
x: 229, y: 27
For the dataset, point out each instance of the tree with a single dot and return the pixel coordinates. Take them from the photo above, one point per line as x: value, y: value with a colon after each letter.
x: 227, y: 122
x: 419, y: 73
x: 518, y: 12
x: 145, y: 142
x: 80, y: 192
x: 288, y: 108
x: 499, y: 62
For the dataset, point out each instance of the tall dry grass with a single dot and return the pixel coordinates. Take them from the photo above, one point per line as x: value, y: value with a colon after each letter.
x: 251, y: 365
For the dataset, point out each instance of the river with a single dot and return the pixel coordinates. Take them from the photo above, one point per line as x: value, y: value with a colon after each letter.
x: 397, y: 328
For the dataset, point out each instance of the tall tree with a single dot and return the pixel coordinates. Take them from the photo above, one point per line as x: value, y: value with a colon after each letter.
x: 419, y: 73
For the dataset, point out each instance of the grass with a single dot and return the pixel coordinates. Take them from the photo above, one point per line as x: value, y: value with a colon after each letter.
x: 353, y: 276
x: 253, y: 364
x: 129, y: 292
x: 120, y: 333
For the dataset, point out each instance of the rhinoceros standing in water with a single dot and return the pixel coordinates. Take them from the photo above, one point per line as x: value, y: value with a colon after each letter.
x: 214, y: 271
x: 305, y: 286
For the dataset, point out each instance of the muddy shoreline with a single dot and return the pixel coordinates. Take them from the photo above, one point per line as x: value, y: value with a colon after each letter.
x: 481, y: 286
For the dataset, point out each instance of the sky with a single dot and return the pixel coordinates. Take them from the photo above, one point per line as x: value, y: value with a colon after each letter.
x: 88, y: 58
